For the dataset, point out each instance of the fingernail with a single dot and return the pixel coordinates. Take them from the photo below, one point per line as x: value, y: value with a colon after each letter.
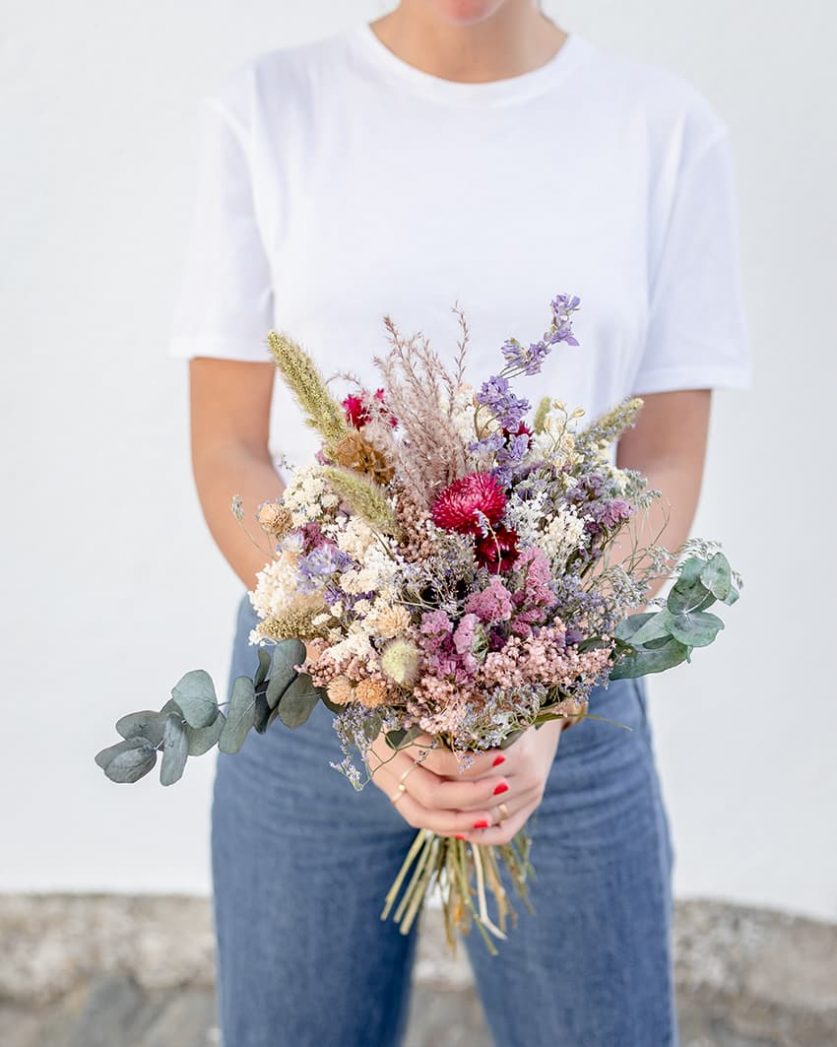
x: 498, y: 760
x: 459, y: 836
x: 501, y: 788
x: 482, y: 824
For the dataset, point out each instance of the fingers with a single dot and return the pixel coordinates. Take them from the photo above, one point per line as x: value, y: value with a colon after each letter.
x: 502, y: 833
x: 422, y: 799
x: 436, y: 793
x: 468, y: 808
x: 446, y: 794
x: 450, y: 765
x: 468, y: 823
x: 444, y: 823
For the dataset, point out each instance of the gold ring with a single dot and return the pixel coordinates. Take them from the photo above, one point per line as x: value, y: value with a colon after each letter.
x: 408, y: 772
x: 398, y: 794
x: 504, y: 811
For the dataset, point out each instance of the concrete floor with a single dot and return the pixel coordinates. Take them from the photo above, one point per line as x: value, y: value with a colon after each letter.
x: 136, y: 971
x: 115, y: 1012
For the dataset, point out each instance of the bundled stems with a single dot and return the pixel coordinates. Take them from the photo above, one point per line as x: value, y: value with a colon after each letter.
x: 465, y: 873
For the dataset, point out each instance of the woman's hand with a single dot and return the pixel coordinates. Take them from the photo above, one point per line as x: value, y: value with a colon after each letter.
x: 488, y: 801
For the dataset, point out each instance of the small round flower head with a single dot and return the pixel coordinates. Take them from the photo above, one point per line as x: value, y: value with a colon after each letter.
x: 371, y: 693
x: 400, y: 661
x: 274, y: 519
x: 340, y: 690
x: 391, y: 621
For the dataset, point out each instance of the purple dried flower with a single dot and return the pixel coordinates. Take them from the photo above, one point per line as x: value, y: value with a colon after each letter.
x: 507, y: 408
x: 527, y: 359
x: 614, y: 512
x: 490, y: 445
x: 563, y: 306
x: 324, y: 560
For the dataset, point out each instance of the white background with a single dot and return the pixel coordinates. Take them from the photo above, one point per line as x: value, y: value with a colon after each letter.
x: 111, y: 585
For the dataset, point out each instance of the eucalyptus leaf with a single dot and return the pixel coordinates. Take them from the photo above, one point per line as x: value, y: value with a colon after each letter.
x: 707, y: 602
x: 592, y: 643
x: 195, y: 695
x: 657, y: 627
x: 688, y: 596
x: 731, y: 596
x: 104, y: 756
x: 286, y: 656
x: 298, y: 701
x: 264, y: 665
x: 202, y: 739
x: 241, y: 715
x: 328, y: 703
x: 148, y: 724
x: 655, y: 645
x: 134, y: 760
x: 372, y: 726
x: 628, y: 626
x: 175, y: 750
x: 645, y: 661
x: 690, y: 570
x: 717, y: 576
x: 401, y: 738
x: 696, y: 628
x: 261, y: 714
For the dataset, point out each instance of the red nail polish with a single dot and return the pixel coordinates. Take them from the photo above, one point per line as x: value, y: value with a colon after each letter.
x: 459, y: 836
x: 498, y: 760
x: 483, y: 824
x: 501, y: 788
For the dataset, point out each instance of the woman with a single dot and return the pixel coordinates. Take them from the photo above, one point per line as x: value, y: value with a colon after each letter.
x: 468, y: 151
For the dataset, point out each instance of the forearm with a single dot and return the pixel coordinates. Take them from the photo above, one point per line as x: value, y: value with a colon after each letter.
x: 668, y: 520
x: 667, y: 445
x: 220, y: 474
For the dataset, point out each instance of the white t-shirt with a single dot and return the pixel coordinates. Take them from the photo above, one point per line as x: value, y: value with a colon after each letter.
x: 338, y: 184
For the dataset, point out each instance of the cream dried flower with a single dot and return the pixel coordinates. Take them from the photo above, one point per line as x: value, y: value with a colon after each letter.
x: 391, y: 621
x: 371, y: 693
x: 400, y: 661
x: 296, y: 621
x: 341, y: 690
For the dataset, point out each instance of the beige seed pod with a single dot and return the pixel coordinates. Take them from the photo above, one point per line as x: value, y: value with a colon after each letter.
x: 371, y: 693
x: 341, y: 691
x: 274, y: 519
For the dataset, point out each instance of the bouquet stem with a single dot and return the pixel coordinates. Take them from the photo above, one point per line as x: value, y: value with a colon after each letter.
x: 465, y: 874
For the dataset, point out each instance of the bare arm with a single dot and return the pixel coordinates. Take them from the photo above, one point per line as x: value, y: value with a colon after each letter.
x: 668, y: 446
x: 230, y: 423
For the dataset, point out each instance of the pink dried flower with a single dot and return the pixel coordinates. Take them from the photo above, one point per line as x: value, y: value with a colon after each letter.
x: 461, y: 505
x: 466, y: 639
x: 357, y: 410
x: 536, y: 590
x: 436, y: 625
x: 493, y: 604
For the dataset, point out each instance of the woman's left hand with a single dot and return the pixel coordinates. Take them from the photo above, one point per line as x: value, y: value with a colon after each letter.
x: 526, y: 770
x: 486, y: 801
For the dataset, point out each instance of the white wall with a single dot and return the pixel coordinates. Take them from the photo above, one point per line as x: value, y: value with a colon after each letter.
x: 111, y: 585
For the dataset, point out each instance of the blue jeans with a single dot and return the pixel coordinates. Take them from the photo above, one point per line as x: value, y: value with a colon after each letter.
x: 302, y: 862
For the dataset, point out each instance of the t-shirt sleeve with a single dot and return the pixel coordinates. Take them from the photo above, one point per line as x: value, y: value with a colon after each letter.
x: 697, y: 336
x: 224, y: 306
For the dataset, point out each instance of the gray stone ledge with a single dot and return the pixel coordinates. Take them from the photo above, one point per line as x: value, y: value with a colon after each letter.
x: 746, y: 977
